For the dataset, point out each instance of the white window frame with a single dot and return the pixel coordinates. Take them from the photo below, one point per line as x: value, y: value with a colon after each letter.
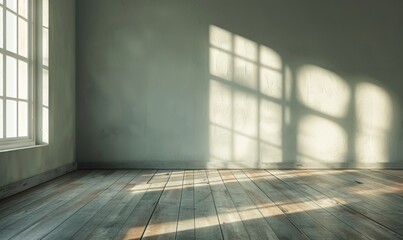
x: 36, y: 92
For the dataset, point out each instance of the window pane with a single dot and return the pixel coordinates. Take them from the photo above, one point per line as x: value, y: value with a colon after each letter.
x: 45, y: 47
x: 45, y: 13
x: 1, y: 118
x: 11, y: 34
x: 22, y: 80
x: 23, y: 37
x: 23, y: 8
x: 12, y: 4
x: 45, y: 87
x: 1, y: 27
x: 22, y: 119
x: 11, y: 118
x: 45, y: 125
x: 11, y: 77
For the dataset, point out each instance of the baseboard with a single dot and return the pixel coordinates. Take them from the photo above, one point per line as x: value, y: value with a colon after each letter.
x: 24, y: 184
x: 233, y: 165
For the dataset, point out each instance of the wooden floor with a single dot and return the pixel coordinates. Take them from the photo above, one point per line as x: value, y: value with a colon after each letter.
x: 209, y: 204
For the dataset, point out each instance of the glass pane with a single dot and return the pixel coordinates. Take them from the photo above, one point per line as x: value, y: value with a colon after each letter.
x: 45, y: 125
x: 1, y: 74
x: 12, y: 4
x: 23, y: 37
x: 45, y: 87
x: 11, y: 77
x: 23, y: 8
x: 45, y: 47
x: 1, y: 118
x: 22, y: 80
x: 11, y: 118
x: 1, y: 27
x: 11, y: 34
x: 22, y: 119
x: 45, y: 13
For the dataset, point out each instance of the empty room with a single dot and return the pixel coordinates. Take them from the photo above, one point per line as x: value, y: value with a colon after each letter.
x: 213, y: 119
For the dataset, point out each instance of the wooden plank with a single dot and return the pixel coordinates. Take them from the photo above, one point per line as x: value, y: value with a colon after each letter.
x: 396, y: 173
x: 186, y: 222
x: 296, y: 204
x: 69, y: 227
x: 107, y: 222
x: 385, y: 179
x: 164, y: 220
x: 295, y: 210
x: 381, y: 182
x: 336, y: 213
x: 137, y: 221
x: 361, y: 196
x: 58, y: 216
x: 349, y: 188
x: 230, y: 221
x: 274, y: 216
x: 365, y: 225
x: 206, y: 220
x: 18, y: 221
x: 253, y: 220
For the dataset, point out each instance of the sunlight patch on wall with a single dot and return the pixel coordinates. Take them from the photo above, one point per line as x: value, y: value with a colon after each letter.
x: 220, y: 143
x: 270, y: 154
x: 288, y: 82
x: 374, y: 120
x: 245, y: 48
x: 271, y: 82
x: 271, y: 75
x: 245, y: 148
x: 270, y: 122
x: 245, y: 73
x: 323, y: 91
x: 220, y: 64
x: 321, y: 139
x: 220, y: 38
x: 245, y: 113
x: 220, y: 106
x: 245, y: 125
x: 270, y: 58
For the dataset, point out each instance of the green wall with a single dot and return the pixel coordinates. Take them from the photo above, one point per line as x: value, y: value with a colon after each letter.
x: 151, y: 92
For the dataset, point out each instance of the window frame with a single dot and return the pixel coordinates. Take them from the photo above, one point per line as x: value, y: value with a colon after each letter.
x: 35, y: 78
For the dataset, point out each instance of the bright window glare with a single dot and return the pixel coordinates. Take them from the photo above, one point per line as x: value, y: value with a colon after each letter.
x: 11, y: 33
x: 11, y: 118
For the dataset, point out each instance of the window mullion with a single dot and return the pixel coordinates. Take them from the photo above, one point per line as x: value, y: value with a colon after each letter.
x: 18, y: 70
x: 4, y: 73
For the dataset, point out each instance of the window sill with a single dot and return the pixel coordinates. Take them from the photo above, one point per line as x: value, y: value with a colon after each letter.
x: 23, y: 148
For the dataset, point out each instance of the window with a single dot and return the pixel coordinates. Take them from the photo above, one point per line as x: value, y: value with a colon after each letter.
x: 23, y: 73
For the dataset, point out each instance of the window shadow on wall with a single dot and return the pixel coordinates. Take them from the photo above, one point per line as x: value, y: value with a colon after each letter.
x: 264, y: 113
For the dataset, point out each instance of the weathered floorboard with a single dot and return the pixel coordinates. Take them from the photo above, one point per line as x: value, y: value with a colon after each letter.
x: 209, y: 204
